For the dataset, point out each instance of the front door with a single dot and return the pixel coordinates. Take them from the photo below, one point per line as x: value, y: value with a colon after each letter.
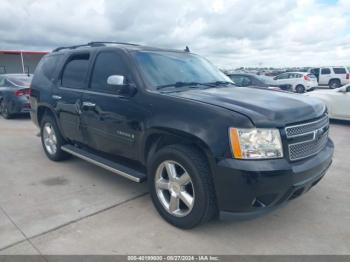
x: 111, y: 123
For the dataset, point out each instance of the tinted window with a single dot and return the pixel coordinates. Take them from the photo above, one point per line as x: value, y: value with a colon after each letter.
x: 107, y: 64
x: 325, y: 71
x: 75, y: 71
x: 339, y: 70
x: 315, y: 71
x: 2, y: 81
x: 282, y: 76
x: 48, y: 65
x: 241, y: 80
x: 312, y: 76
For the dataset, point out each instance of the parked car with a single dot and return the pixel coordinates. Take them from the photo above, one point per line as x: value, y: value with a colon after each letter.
x: 252, y: 80
x: 300, y: 82
x: 333, y: 76
x: 14, y: 94
x: 337, y: 101
x: 170, y: 117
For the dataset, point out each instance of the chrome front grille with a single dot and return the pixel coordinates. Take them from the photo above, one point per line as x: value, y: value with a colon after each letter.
x: 307, y: 139
x: 306, y: 128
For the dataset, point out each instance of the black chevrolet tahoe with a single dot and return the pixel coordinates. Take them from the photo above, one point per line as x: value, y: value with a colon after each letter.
x: 171, y: 118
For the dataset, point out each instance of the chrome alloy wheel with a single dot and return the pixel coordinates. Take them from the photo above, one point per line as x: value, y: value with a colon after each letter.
x: 174, y: 188
x: 50, y: 139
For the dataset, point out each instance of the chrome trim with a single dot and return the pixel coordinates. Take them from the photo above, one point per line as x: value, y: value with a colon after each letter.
x: 325, y: 135
x: 116, y: 171
x: 90, y: 92
x: 305, y: 124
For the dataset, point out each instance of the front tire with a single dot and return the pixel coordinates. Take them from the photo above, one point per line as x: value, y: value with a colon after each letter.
x: 52, y: 139
x: 181, y: 186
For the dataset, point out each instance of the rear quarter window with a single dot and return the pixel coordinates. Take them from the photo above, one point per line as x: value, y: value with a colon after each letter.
x: 339, y: 70
x: 48, y: 65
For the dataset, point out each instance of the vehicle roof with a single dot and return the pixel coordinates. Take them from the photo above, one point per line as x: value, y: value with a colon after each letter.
x: 111, y: 45
x: 327, y: 66
x: 296, y: 72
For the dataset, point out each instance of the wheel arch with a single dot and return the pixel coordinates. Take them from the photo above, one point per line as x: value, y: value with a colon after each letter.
x: 334, y: 79
x: 158, y: 138
x: 43, y: 109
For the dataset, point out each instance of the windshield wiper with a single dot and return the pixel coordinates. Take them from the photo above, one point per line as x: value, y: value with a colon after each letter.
x: 195, y: 84
x: 183, y: 84
x: 220, y: 83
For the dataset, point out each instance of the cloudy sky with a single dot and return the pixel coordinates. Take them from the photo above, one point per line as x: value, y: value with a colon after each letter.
x: 231, y: 33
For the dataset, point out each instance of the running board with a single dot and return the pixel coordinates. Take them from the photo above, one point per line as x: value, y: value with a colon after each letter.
x: 109, y: 165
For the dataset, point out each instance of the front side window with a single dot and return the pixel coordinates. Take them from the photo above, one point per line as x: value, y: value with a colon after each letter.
x: 325, y: 71
x: 167, y: 68
x: 107, y: 64
x: 75, y: 71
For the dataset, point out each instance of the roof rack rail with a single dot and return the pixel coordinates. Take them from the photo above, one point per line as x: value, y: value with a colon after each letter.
x: 111, y: 42
x: 91, y: 44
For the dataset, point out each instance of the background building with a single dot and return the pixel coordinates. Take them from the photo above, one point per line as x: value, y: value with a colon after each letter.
x: 13, y: 61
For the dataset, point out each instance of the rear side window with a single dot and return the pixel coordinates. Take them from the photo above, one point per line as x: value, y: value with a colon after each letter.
x: 339, y: 70
x: 325, y: 71
x: 312, y: 76
x: 75, y: 71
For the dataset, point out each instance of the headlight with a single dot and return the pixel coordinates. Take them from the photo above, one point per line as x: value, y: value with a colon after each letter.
x: 256, y: 143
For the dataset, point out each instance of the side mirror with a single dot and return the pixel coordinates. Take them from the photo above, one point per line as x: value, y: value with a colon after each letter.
x: 116, y: 80
x: 122, y: 85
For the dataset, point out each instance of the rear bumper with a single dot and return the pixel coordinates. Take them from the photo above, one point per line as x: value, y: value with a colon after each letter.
x: 19, y: 106
x: 255, y: 186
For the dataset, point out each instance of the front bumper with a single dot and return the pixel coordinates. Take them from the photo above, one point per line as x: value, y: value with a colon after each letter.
x: 250, y: 186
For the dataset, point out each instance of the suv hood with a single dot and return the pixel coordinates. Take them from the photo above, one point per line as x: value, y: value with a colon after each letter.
x: 265, y: 108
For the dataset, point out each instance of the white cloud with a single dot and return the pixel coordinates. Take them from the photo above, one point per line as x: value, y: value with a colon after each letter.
x: 229, y: 32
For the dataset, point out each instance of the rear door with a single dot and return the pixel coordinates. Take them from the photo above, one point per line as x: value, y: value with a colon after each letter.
x: 72, y: 82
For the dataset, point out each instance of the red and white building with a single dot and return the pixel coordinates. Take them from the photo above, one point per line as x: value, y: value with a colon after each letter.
x: 18, y: 61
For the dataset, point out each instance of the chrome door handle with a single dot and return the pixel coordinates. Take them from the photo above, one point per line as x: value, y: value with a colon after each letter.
x: 56, y: 97
x: 88, y: 104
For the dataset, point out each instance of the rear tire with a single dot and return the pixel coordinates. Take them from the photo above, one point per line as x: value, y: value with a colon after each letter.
x: 4, y: 111
x: 300, y: 89
x: 182, y: 204
x: 335, y: 83
x: 52, y: 139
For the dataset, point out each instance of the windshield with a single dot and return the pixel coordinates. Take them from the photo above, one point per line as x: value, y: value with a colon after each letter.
x: 20, y: 81
x: 170, y: 69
